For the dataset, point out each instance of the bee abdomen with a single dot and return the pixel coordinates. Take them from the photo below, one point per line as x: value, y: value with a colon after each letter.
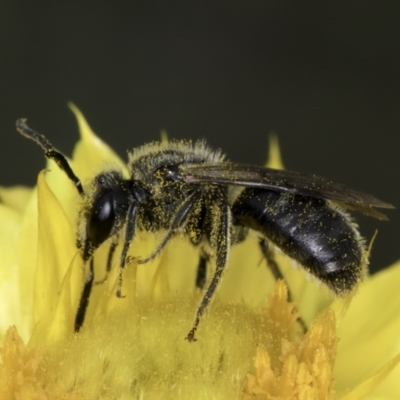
x: 320, y: 237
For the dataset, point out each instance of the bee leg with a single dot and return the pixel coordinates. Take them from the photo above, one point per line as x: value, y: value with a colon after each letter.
x: 220, y: 239
x: 129, y: 234
x: 201, y: 275
x: 84, y: 300
x: 272, y: 264
x: 180, y: 219
x: 277, y: 273
x: 109, y: 263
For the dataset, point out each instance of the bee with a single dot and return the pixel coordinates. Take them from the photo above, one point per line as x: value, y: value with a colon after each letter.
x: 184, y: 188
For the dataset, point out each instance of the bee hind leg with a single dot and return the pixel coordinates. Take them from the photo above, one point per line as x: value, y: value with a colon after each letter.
x: 277, y: 273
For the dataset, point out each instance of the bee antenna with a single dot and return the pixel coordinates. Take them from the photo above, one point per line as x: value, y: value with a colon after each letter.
x: 50, y: 152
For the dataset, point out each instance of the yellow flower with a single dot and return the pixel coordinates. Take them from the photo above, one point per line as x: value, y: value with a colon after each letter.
x: 250, y: 345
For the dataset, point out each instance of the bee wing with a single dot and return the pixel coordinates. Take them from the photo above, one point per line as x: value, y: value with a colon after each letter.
x: 282, y: 181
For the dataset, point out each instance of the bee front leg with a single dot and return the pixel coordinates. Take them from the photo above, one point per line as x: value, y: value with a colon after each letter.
x: 84, y: 300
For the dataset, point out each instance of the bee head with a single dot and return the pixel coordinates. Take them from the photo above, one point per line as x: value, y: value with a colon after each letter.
x: 104, y: 212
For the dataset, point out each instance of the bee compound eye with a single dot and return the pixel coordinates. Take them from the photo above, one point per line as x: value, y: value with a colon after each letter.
x: 101, y: 219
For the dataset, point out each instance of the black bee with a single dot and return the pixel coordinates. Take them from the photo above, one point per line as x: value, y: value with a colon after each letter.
x: 184, y: 188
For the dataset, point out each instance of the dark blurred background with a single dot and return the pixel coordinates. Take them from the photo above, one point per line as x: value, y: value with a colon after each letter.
x: 323, y: 75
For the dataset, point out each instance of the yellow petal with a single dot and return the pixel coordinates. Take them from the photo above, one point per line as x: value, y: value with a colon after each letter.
x: 56, y: 248
x: 9, y: 277
x: 274, y: 154
x: 370, y: 328
x: 26, y: 261
x: 58, y: 323
x: 362, y: 390
x: 164, y: 136
x: 15, y: 197
x: 91, y: 155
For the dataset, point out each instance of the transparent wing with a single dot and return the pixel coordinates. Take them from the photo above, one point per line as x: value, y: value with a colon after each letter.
x: 282, y: 181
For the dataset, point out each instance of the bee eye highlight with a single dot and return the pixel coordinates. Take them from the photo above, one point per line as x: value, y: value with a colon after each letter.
x: 101, y: 219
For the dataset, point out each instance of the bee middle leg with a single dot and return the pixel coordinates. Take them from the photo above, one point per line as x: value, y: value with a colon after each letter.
x: 220, y: 239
